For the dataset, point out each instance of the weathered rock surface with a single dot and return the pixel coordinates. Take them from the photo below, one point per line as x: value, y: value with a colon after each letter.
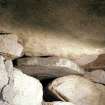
x: 23, y: 90
x: 9, y: 46
x: 4, y: 78
x: 17, y: 88
x: 96, y: 76
x: 46, y: 31
x: 57, y: 103
x: 3, y: 74
x: 49, y: 67
x: 78, y: 90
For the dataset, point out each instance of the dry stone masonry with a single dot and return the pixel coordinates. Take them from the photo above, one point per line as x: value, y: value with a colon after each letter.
x: 52, y: 52
x: 65, y: 81
x: 61, y: 28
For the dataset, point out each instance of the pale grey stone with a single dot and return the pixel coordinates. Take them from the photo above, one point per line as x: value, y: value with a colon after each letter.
x: 9, y: 70
x: 3, y: 74
x: 9, y: 46
x: 77, y: 89
x: 23, y: 90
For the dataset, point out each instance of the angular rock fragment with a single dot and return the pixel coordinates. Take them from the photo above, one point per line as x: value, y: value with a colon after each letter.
x: 77, y: 89
x: 57, y: 103
x: 9, y: 46
x: 23, y: 90
x: 96, y: 76
x: 50, y: 67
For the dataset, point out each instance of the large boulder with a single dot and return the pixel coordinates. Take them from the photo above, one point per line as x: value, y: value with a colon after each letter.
x: 64, y: 28
x: 17, y: 88
x: 78, y: 90
x: 9, y: 46
x: 23, y: 90
x: 48, y: 67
